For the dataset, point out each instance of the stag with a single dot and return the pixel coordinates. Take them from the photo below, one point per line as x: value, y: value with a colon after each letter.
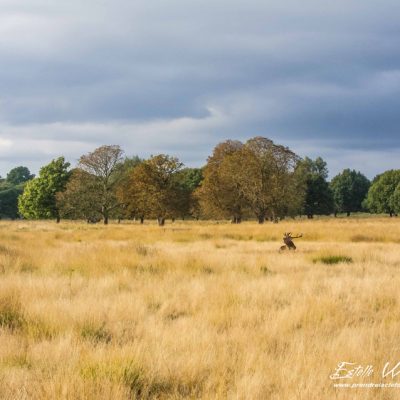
x: 288, y: 240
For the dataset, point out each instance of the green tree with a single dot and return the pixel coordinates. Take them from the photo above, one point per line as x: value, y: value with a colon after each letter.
x: 38, y: 200
x: 349, y: 191
x: 318, y: 195
x: 9, y: 201
x: 189, y: 179
x: 19, y: 175
x: 384, y: 193
x: 396, y: 200
x: 10, y: 189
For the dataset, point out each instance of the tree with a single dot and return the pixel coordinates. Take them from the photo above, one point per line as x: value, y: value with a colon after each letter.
x: 259, y: 176
x: 268, y: 179
x: 80, y: 198
x: 10, y: 189
x: 9, y: 201
x: 153, y: 189
x: 384, y: 193
x: 19, y: 175
x: 396, y: 200
x: 219, y: 194
x: 189, y: 179
x: 349, y: 190
x: 93, y: 189
x: 39, y: 197
x: 126, y: 167
x: 318, y: 195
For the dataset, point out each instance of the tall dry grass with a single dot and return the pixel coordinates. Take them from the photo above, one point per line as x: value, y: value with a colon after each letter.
x: 196, y: 310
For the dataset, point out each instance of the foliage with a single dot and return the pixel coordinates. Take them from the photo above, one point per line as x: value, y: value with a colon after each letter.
x: 189, y: 180
x: 39, y: 197
x: 153, y: 189
x: 318, y: 195
x: 349, y: 190
x: 80, y: 199
x: 92, y: 191
x: 219, y: 195
x: 9, y: 201
x: 384, y: 193
x: 271, y: 187
x: 19, y: 175
x: 259, y: 176
x: 10, y: 189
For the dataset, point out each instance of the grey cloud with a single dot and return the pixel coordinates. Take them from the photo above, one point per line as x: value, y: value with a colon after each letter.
x: 180, y: 76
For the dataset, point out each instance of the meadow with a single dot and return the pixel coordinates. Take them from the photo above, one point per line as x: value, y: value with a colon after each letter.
x: 197, y: 310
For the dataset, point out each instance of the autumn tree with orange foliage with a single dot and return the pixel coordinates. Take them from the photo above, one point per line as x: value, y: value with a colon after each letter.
x: 153, y: 189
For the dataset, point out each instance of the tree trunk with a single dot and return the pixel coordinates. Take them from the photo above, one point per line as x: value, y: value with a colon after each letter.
x: 391, y: 214
x: 236, y: 220
x: 335, y: 214
x: 161, y: 221
x: 141, y: 220
x: 261, y: 219
x: 173, y: 219
x: 58, y: 219
x: 348, y: 213
x: 274, y: 218
x: 106, y: 220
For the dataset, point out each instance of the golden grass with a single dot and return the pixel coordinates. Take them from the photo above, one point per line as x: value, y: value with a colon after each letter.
x: 196, y: 310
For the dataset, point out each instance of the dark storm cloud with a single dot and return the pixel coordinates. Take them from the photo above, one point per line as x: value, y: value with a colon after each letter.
x: 178, y: 77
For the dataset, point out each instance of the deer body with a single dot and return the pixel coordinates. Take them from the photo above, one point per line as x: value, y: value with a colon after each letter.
x: 288, y: 240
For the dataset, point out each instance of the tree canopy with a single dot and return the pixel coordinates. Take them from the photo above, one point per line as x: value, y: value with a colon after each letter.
x: 153, y: 189
x: 92, y: 191
x: 10, y: 189
x: 254, y: 179
x: 38, y: 200
x: 318, y: 198
x: 19, y: 175
x: 349, y: 190
x: 219, y: 195
x: 258, y: 177
x: 384, y: 193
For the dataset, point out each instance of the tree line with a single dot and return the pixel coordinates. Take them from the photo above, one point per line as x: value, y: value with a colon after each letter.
x: 256, y: 179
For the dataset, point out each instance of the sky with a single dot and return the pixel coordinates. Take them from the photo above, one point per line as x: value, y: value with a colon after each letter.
x: 180, y: 76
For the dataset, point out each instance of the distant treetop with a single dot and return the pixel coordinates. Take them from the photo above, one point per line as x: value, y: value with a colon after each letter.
x: 19, y: 175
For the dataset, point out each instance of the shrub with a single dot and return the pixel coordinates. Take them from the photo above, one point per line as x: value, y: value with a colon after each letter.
x: 333, y: 259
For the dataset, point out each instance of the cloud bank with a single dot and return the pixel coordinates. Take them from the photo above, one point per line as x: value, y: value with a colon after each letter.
x: 179, y: 77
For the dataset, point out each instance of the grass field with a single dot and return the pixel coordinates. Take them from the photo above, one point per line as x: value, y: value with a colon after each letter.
x: 197, y: 310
